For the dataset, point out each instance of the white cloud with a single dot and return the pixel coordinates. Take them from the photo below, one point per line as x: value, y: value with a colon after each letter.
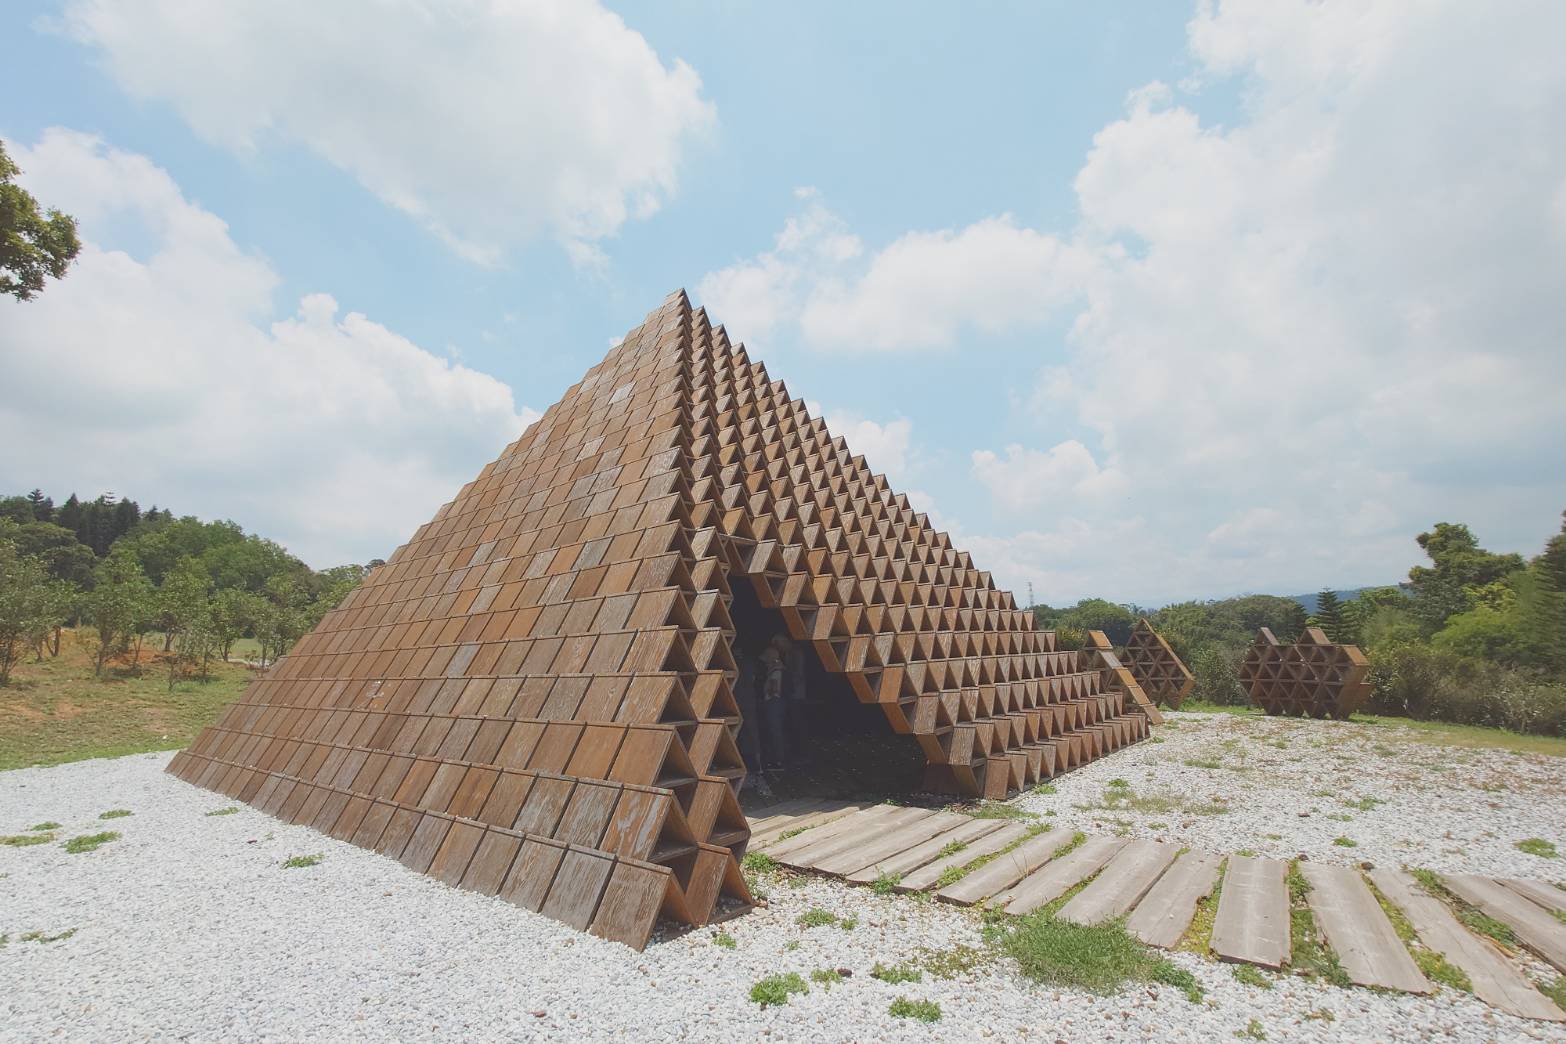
x: 165, y: 377
x: 1298, y: 338
x: 487, y: 121
x: 887, y: 448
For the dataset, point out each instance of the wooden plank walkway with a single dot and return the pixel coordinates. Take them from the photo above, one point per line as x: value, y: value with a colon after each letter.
x: 1164, y: 914
x: 1494, y: 979
x: 1358, y: 931
x: 1535, y: 926
x: 1253, y: 913
x: 1156, y: 889
x: 1122, y: 884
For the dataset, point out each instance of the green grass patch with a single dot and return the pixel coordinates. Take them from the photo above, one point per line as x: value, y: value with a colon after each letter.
x: 1471, y: 917
x: 1537, y: 846
x: 116, y: 813
x: 25, y: 840
x: 42, y: 828
x: 1235, y: 710
x: 230, y: 810
x: 1345, y: 842
x: 997, y: 810
x: 774, y: 990
x: 1171, y: 974
x: 1309, y: 956
x: 1204, y: 763
x: 1436, y: 967
x: 725, y: 940
x: 815, y: 917
x: 1198, y: 936
x: 1253, y: 1031
x: 896, y: 973
x: 41, y: 937
x: 1252, y: 976
x: 886, y: 884
x: 90, y: 842
x: 760, y: 863
x: 1100, y: 958
x: 1044, y: 789
x: 1555, y: 990
x: 296, y: 862
x: 923, y: 1010
x: 827, y: 977
x: 952, y: 962
x: 1364, y: 804
x: 951, y: 848
x: 1472, y: 737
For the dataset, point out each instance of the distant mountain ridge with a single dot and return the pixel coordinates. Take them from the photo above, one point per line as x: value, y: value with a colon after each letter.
x: 1309, y: 600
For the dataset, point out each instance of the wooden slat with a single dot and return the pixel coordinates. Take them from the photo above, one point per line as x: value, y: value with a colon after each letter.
x: 890, y: 842
x: 857, y: 820
x: 964, y: 832
x: 929, y: 873
x: 1252, y: 924
x: 1006, y: 870
x: 1126, y: 879
x: 811, y: 821
x: 1538, y: 929
x: 763, y: 818
x: 1164, y: 914
x: 1055, y: 879
x: 852, y: 841
x: 1546, y: 895
x: 1358, y: 931
x: 1494, y: 979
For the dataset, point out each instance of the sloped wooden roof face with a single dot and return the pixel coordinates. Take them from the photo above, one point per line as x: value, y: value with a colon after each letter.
x: 531, y: 698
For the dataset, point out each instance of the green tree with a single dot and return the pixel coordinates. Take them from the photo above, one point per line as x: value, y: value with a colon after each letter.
x: 28, y: 601
x: 183, y: 611
x: 1459, y: 569
x: 118, y: 604
x: 283, y: 617
x: 43, y: 507
x: 1329, y: 614
x: 56, y: 547
x: 1544, y: 606
x: 33, y: 246
x: 233, y: 614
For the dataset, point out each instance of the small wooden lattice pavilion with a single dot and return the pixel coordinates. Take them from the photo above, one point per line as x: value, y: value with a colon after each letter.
x: 532, y: 698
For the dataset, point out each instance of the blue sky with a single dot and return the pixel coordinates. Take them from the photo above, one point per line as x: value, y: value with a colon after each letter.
x: 1151, y: 303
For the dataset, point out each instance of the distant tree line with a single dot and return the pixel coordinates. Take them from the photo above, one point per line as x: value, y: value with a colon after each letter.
x: 199, y: 586
x: 1475, y: 637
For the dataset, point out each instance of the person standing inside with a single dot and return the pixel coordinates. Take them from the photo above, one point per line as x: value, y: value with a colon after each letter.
x: 774, y: 708
x: 795, y: 693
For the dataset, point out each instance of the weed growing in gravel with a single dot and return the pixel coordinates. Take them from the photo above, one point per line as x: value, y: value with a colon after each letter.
x: 1204, y: 763
x: 951, y: 849
x: 1171, y: 974
x: 815, y: 917
x: 948, y: 964
x: 296, y: 862
x: 1198, y: 937
x: 116, y: 813
x: 774, y: 990
x: 895, y: 973
x: 1345, y: 842
x: 24, y: 840
x: 1320, y: 1015
x: 230, y: 810
x: 1253, y: 1031
x: 1364, y: 804
x: 791, y: 946
x: 886, y: 884
x: 1100, y: 958
x: 1340, y: 817
x: 1537, y: 846
x: 1309, y: 956
x: 1556, y: 990
x: 725, y: 940
x: 997, y: 810
x: 1436, y: 967
x: 90, y: 842
x: 1252, y: 976
x: 760, y: 863
x: 848, y: 924
x: 42, y: 828
x: 1471, y: 917
x: 5, y: 940
x: 923, y: 1010
x: 1249, y: 853
x: 40, y: 937
x: 792, y: 833
x: 827, y: 977
x: 1044, y: 789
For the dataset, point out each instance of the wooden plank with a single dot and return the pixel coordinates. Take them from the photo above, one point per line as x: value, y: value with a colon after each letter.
x: 1006, y: 870
x: 1055, y: 879
x: 889, y: 843
x: 964, y: 832
x: 1546, y: 895
x: 856, y: 820
x: 1538, y: 929
x: 763, y: 818
x: 929, y: 873
x: 774, y: 833
x: 1252, y: 924
x: 850, y: 841
x: 1495, y: 980
x: 1358, y: 931
x: 1164, y: 914
x: 1125, y: 880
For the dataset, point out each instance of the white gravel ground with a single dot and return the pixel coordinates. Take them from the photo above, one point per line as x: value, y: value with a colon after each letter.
x: 189, y: 927
x: 1287, y: 785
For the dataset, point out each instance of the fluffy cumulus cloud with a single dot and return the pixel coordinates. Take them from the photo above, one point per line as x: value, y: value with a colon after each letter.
x: 488, y: 121
x: 168, y: 376
x: 1298, y: 337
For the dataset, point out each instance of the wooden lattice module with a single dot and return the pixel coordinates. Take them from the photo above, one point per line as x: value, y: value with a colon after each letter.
x: 532, y: 697
x: 1161, y: 673
x: 1313, y: 677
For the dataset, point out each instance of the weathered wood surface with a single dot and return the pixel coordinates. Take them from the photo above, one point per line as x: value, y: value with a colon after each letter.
x: 1495, y: 980
x: 1055, y: 879
x: 928, y: 874
x: 785, y: 811
x: 856, y: 819
x: 1007, y: 869
x: 966, y: 830
x: 1546, y: 895
x: 1252, y: 924
x: 1164, y: 914
x: 1358, y: 931
x: 890, y: 840
x: 1126, y: 878
x: 775, y: 830
x: 858, y: 831
x: 1535, y: 926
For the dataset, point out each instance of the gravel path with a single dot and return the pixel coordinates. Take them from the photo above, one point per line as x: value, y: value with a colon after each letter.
x: 189, y: 926
x: 1286, y: 787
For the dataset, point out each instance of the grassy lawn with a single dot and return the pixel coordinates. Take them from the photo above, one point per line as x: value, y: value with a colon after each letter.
x: 1437, y: 733
x: 56, y: 711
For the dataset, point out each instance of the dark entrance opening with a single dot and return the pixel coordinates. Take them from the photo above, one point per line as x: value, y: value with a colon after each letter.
x: 833, y: 745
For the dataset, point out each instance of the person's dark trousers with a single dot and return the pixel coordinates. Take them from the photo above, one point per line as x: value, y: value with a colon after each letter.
x: 750, y: 727
x: 774, y: 733
x: 798, y: 724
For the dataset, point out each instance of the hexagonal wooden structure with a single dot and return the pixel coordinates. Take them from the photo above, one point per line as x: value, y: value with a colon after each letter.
x: 532, y: 697
x: 1161, y: 673
x: 1314, y: 677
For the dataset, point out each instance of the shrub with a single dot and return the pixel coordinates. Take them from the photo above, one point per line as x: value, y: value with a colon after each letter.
x: 1217, y: 672
x: 1435, y: 684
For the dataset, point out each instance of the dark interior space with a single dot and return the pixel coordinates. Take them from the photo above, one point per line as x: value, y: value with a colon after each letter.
x: 848, y: 748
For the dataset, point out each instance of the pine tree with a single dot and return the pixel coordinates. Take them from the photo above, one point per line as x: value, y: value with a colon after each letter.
x: 1329, y: 614
x: 43, y: 507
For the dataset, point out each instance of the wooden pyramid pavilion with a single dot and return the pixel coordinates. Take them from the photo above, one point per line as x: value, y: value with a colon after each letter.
x: 532, y: 699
